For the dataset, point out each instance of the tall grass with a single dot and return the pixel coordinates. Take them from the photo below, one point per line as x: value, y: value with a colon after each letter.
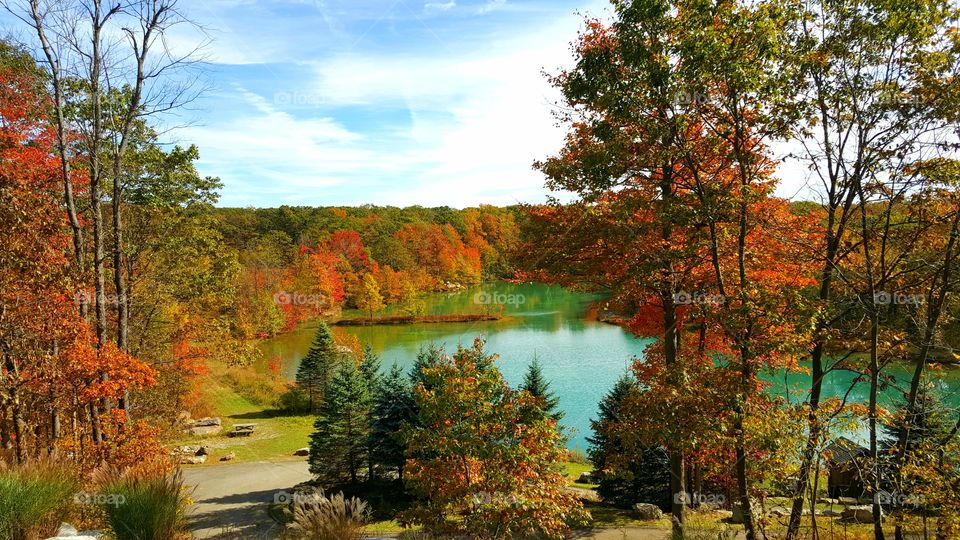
x: 34, y: 498
x: 144, y: 503
x: 317, y: 517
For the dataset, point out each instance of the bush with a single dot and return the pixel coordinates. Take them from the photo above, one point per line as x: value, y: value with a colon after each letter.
x: 294, y: 400
x: 34, y: 499
x: 147, y: 502
x: 317, y: 517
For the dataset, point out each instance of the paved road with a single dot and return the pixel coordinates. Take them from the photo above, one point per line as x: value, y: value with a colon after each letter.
x: 230, y: 500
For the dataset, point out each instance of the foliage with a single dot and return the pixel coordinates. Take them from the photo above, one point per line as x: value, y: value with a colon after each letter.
x: 480, y: 461
x: 144, y: 502
x: 538, y: 387
x: 317, y: 368
x: 393, y: 408
x: 339, y: 444
x: 35, y: 498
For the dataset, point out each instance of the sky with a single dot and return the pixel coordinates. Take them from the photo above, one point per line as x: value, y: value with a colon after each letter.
x: 386, y: 102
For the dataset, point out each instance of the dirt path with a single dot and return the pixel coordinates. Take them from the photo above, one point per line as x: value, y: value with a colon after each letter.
x: 230, y: 501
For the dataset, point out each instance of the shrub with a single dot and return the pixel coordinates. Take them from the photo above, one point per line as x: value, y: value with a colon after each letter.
x: 147, y: 502
x: 34, y: 498
x: 317, y: 517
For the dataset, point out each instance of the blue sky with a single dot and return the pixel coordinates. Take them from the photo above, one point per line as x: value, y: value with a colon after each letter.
x: 388, y: 102
x: 346, y: 102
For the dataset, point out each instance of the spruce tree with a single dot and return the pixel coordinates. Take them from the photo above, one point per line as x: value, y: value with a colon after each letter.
x: 370, y: 369
x: 339, y: 443
x: 318, y: 366
x: 647, y: 479
x: 393, y: 407
x: 537, y: 385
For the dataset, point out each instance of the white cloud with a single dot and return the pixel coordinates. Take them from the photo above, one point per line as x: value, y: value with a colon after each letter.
x: 437, y: 6
x: 491, y: 5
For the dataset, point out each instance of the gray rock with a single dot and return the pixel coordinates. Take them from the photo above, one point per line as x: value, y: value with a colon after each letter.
x: 848, y: 501
x: 204, y: 427
x: 858, y: 514
x: 193, y: 460
x: 69, y: 532
x: 647, y: 511
x: 302, y: 452
x: 228, y: 456
x: 828, y: 501
x: 779, y: 511
x: 829, y: 513
x: 184, y: 450
x: 202, y: 451
x: 586, y: 478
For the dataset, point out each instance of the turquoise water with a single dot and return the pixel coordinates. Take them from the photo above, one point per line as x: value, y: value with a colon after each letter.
x: 582, y: 358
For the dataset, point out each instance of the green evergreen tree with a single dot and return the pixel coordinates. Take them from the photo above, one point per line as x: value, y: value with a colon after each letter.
x: 370, y: 369
x: 318, y: 366
x: 338, y: 445
x: 393, y: 407
x: 428, y: 356
x: 537, y: 385
x: 647, y: 479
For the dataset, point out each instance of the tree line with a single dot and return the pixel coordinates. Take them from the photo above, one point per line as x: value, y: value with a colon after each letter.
x: 673, y: 110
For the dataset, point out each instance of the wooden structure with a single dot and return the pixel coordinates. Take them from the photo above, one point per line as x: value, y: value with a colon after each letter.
x: 242, y: 430
x: 845, y: 460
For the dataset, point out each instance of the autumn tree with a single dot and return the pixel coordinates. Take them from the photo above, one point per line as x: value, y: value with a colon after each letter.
x: 478, y: 471
x: 368, y: 298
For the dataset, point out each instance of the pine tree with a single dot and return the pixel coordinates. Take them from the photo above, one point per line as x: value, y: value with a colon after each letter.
x: 370, y: 369
x: 648, y: 477
x: 393, y: 407
x: 537, y: 385
x: 318, y: 366
x: 338, y: 445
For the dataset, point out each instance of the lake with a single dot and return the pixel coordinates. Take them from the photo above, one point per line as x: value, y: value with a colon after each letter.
x: 582, y: 358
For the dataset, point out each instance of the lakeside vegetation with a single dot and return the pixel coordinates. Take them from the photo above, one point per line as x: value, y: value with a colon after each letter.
x: 132, y: 306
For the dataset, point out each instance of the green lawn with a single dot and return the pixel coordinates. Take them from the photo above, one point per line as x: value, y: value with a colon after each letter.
x: 276, y: 436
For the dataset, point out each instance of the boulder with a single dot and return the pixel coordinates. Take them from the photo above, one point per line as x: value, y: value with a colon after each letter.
x: 858, y: 514
x: 848, y: 501
x: 69, y: 532
x: 829, y: 513
x: 302, y: 452
x: 586, y: 478
x: 202, y: 451
x: 184, y: 450
x: 828, y: 501
x: 779, y: 511
x: 204, y: 427
x: 228, y: 456
x: 193, y: 460
x: 647, y: 511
